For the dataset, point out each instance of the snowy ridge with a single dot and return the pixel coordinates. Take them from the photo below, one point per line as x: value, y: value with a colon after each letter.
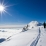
x: 34, y: 23
x: 31, y: 25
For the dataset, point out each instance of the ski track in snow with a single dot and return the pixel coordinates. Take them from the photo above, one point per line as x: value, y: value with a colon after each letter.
x: 34, y: 43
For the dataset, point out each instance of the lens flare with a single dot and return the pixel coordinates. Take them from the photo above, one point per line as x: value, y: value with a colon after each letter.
x: 2, y: 8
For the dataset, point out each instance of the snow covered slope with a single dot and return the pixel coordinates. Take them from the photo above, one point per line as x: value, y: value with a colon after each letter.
x: 42, y: 40
x: 32, y: 34
x: 6, y: 33
x: 22, y: 39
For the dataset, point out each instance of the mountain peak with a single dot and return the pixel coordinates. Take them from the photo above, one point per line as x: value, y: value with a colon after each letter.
x: 31, y: 25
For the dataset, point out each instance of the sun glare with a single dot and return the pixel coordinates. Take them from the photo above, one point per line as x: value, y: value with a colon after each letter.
x: 2, y: 8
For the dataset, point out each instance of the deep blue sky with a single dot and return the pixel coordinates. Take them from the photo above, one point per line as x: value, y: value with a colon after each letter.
x: 24, y: 11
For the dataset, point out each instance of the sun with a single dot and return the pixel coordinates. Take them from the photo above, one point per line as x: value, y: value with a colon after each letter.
x: 2, y: 8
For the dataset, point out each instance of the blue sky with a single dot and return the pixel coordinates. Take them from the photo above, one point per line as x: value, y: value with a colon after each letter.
x: 24, y: 11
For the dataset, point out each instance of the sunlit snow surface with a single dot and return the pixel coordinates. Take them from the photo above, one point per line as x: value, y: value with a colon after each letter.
x: 5, y: 33
x: 42, y: 40
x: 35, y: 36
x: 20, y: 38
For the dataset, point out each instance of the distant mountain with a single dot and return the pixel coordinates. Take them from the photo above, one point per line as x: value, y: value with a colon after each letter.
x: 32, y: 24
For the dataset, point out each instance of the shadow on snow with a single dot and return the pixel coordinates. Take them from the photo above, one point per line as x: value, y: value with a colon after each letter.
x: 2, y: 39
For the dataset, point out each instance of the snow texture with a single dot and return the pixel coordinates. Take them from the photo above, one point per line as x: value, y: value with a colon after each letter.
x: 33, y: 34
